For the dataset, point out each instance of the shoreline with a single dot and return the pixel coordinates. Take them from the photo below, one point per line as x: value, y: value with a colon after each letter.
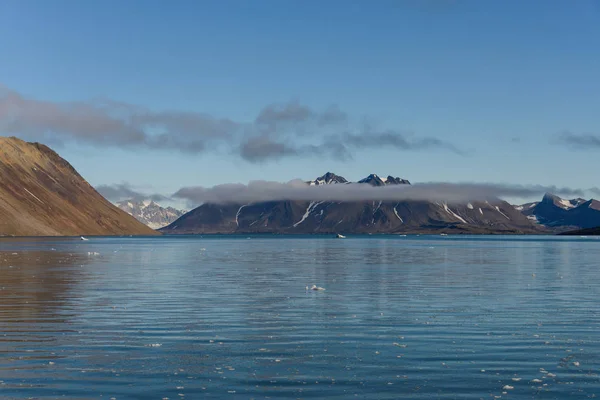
x: 289, y: 235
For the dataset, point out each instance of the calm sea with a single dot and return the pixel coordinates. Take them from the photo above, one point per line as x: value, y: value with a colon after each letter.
x: 419, y: 317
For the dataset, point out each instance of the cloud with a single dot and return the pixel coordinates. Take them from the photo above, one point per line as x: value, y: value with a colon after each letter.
x: 259, y: 191
x: 296, y: 113
x: 109, y: 123
x: 263, y: 148
x: 580, y: 141
x: 278, y: 131
x: 125, y: 191
x: 398, y: 141
x: 339, y: 147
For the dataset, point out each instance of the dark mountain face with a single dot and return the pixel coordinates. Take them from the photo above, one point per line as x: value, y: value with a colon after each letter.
x: 560, y: 214
x: 377, y: 181
x: 354, y: 216
x: 577, y: 202
x: 396, y: 181
x: 328, y: 179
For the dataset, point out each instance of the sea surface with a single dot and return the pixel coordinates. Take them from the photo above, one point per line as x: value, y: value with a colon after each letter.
x: 229, y: 317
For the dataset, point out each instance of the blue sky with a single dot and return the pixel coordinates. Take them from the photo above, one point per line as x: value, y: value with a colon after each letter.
x: 500, y: 81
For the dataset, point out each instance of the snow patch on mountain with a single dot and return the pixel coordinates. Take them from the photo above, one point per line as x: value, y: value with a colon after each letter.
x: 309, y: 209
x: 237, y: 215
x: 498, y: 209
x: 455, y: 215
x: 150, y: 213
x: 396, y: 212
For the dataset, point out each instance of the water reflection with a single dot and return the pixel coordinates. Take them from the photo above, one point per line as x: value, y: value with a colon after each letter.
x: 230, y: 317
x: 36, y: 285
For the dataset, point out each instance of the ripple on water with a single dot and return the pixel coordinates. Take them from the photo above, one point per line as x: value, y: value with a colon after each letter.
x: 220, y: 317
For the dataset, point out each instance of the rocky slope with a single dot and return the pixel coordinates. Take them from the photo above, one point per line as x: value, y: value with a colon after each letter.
x: 353, y: 217
x: 150, y: 213
x: 563, y: 215
x: 41, y: 194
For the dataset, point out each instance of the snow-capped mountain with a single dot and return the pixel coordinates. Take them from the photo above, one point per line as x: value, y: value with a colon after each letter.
x: 354, y: 216
x: 379, y: 181
x: 562, y: 214
x: 328, y: 179
x: 150, y: 213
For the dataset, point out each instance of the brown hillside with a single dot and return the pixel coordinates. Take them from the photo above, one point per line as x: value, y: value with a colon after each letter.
x: 41, y: 194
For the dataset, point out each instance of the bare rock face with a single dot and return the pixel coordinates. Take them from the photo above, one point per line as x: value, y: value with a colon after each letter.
x: 41, y: 194
x: 354, y: 216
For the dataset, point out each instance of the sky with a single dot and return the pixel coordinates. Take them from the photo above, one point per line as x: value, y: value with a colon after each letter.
x: 156, y: 96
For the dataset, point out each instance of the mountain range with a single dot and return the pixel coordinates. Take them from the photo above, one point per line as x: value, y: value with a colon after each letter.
x: 354, y: 216
x: 561, y: 215
x: 41, y: 194
x: 150, y: 213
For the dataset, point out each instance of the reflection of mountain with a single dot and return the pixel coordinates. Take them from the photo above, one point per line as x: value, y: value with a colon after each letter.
x: 35, y: 285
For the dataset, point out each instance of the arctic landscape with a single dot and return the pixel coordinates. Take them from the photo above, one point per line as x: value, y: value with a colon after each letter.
x: 268, y: 200
x: 43, y: 195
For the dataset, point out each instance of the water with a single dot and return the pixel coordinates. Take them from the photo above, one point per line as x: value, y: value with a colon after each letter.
x: 229, y: 317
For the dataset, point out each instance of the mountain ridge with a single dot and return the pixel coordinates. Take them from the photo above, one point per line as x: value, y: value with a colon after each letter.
x: 561, y: 214
x: 150, y: 213
x: 41, y: 194
x: 353, y: 216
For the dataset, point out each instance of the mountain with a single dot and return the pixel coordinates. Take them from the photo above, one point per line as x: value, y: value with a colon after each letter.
x: 328, y: 179
x: 150, y: 213
x: 41, y: 194
x: 377, y: 181
x: 353, y: 216
x: 563, y: 215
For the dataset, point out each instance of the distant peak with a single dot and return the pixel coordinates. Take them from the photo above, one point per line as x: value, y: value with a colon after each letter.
x: 328, y: 179
x: 593, y: 204
x: 549, y: 197
x: 375, y: 180
x: 390, y: 180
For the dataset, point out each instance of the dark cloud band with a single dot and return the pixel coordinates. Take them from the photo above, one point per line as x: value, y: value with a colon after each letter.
x: 259, y: 191
x: 278, y: 131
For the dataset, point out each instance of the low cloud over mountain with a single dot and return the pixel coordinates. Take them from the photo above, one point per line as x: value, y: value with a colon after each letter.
x: 258, y: 191
x: 124, y: 190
